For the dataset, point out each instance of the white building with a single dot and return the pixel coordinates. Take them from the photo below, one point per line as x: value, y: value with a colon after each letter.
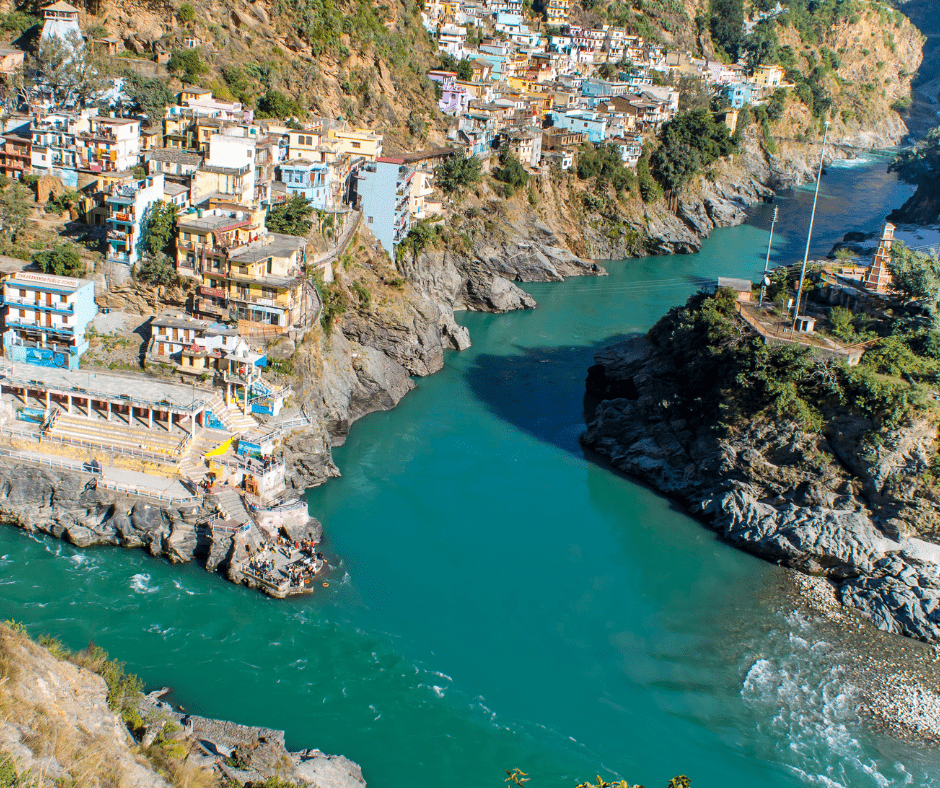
x: 129, y: 209
x: 110, y: 145
x: 54, y: 144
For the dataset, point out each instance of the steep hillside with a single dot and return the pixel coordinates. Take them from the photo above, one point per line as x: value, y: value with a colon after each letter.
x: 342, y: 59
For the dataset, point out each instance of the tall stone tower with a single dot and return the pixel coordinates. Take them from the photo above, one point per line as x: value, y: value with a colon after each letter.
x: 878, y: 277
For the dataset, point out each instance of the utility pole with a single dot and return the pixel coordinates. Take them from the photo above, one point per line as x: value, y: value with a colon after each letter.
x: 763, y: 284
x: 809, y: 235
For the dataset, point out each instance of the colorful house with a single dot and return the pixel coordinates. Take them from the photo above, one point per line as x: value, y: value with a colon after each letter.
x: 46, y: 318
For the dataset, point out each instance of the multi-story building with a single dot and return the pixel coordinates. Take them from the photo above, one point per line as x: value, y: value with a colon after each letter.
x: 383, y: 192
x: 54, y: 146
x: 173, y: 332
x: 771, y: 77
x: 203, y: 239
x: 357, y: 143
x: 176, y: 164
x: 15, y: 156
x: 11, y: 59
x: 310, y: 180
x: 556, y: 12
x: 266, y: 290
x: 110, y: 144
x: 46, y: 318
x: 307, y: 143
x: 228, y: 173
x: 129, y: 207
x: 591, y: 123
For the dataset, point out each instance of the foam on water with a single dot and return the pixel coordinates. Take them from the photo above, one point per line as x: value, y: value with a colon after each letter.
x: 807, y: 706
x: 141, y: 584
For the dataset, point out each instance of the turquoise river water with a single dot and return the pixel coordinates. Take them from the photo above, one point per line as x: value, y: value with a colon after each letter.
x: 501, y: 600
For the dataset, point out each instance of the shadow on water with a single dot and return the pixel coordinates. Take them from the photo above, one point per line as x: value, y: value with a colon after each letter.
x: 540, y: 390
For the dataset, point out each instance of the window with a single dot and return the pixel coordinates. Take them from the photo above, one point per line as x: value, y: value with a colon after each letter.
x: 270, y: 266
x: 62, y: 298
x: 356, y: 145
x: 370, y: 220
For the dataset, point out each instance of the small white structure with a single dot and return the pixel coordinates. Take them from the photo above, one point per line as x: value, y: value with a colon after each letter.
x: 61, y: 19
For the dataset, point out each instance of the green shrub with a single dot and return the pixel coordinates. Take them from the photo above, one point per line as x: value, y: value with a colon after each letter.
x: 291, y: 217
x: 188, y: 63
x: 61, y: 260
x: 458, y: 172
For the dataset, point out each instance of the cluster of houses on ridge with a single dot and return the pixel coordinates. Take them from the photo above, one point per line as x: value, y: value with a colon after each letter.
x: 542, y: 93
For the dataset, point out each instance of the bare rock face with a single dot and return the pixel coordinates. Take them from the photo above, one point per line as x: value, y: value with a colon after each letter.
x: 55, y: 721
x: 835, y: 505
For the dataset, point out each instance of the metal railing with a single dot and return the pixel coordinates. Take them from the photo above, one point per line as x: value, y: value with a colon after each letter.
x: 83, y: 467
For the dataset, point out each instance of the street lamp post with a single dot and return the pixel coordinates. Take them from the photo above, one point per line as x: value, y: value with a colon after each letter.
x: 763, y: 284
x: 809, y: 235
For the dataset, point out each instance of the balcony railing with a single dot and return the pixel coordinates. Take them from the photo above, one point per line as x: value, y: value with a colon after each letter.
x: 59, y: 329
x: 63, y: 309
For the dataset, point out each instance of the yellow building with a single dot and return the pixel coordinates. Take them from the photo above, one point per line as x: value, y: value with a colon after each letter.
x: 357, y: 142
x: 768, y: 76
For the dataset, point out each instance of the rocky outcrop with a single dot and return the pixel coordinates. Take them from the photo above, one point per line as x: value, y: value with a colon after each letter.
x: 58, y: 724
x: 834, y: 504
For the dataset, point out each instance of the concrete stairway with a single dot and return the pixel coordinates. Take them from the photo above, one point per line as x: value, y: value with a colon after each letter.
x: 231, y: 416
x: 231, y: 504
x: 116, y: 433
x: 193, y: 465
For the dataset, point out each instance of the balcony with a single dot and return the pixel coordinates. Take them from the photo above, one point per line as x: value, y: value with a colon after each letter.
x: 118, y: 257
x: 59, y: 329
x: 59, y: 309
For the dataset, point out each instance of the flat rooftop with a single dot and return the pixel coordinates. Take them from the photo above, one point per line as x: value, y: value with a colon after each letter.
x: 211, y: 223
x: 34, y: 279
x: 273, y: 245
x: 138, y: 388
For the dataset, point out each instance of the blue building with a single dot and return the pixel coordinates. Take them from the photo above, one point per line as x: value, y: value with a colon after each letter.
x: 311, y: 180
x: 590, y: 123
x: 383, y: 190
x: 46, y: 318
x: 738, y: 94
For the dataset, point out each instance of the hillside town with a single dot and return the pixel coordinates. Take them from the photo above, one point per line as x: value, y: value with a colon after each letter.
x: 210, y: 173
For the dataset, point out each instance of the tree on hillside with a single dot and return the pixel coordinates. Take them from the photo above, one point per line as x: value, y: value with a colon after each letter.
x: 15, y: 209
x: 917, y: 275
x: 149, y: 96
x: 511, y: 172
x: 274, y: 104
x: 157, y: 269
x: 687, y: 144
x: 291, y: 217
x: 726, y: 24
x: 465, y: 70
x: 61, y: 260
x: 188, y: 63
x: 161, y: 227
x: 69, y: 72
x: 458, y: 172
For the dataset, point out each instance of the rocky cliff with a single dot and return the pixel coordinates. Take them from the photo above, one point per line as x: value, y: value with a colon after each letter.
x: 390, y: 321
x: 842, y: 503
x: 62, y: 723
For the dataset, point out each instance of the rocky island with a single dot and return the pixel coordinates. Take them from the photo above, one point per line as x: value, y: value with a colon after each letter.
x: 789, y: 454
